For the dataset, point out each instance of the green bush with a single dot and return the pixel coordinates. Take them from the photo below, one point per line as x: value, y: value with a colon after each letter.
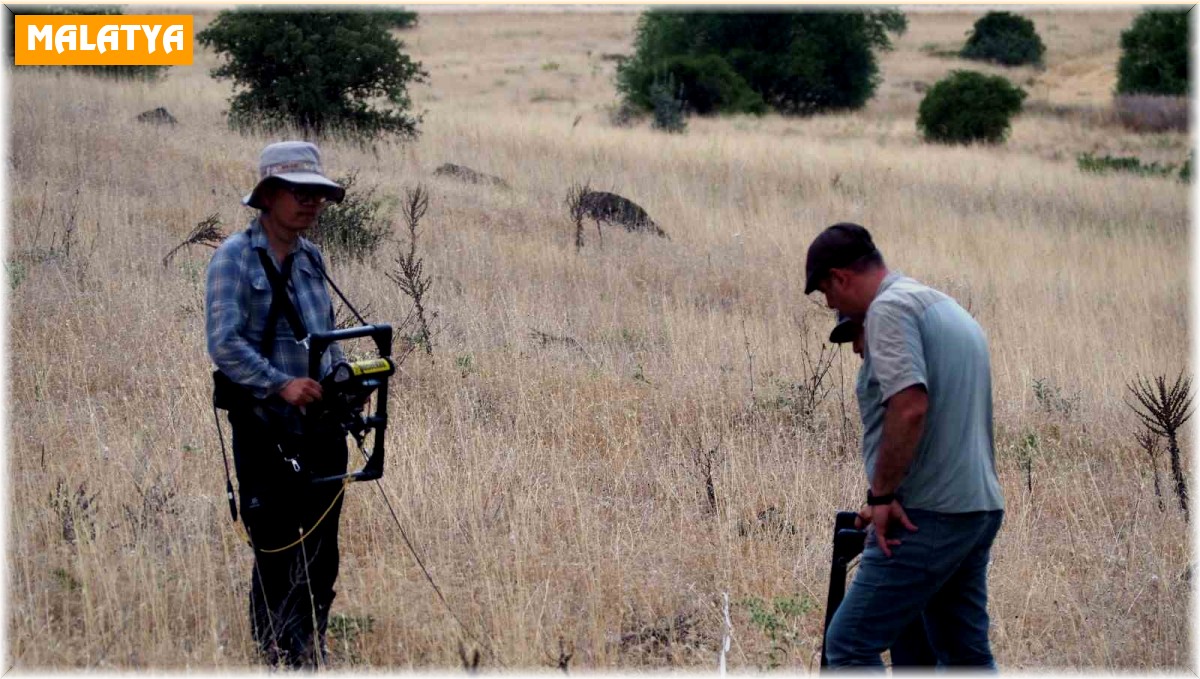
x: 1132, y: 164
x: 706, y: 84
x: 319, y: 72
x: 1154, y: 55
x: 354, y: 228
x: 795, y: 62
x: 667, y: 106
x: 118, y: 72
x: 1004, y: 38
x: 968, y: 107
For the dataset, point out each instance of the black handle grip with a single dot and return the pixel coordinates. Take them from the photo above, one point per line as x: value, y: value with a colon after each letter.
x: 318, y: 342
x: 848, y: 543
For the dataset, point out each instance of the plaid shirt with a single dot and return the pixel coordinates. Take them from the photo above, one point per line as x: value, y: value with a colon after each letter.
x: 237, y: 299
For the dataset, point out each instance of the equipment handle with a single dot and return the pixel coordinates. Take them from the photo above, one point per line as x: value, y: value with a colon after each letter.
x: 318, y: 342
x: 848, y: 542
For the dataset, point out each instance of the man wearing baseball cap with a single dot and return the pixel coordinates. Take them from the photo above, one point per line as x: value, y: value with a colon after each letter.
x: 925, y: 396
x: 265, y: 294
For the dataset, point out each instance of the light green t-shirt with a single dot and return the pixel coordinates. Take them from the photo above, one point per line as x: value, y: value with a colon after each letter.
x: 918, y: 335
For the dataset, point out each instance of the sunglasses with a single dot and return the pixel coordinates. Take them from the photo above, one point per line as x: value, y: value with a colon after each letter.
x: 307, y: 194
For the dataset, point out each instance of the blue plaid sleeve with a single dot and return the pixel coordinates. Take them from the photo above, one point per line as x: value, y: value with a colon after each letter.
x: 226, y: 317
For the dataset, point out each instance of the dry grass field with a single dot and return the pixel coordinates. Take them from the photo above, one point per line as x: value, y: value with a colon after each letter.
x: 552, y: 487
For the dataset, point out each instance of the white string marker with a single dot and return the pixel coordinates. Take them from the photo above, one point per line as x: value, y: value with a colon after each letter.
x: 728, y: 633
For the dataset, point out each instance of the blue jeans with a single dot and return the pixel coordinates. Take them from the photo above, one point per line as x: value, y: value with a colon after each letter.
x: 941, y: 570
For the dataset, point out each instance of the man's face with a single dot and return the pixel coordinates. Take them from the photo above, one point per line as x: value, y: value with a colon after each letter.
x: 295, y: 207
x: 835, y: 288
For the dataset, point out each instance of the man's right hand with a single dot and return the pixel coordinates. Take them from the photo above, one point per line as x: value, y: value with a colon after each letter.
x: 301, y: 391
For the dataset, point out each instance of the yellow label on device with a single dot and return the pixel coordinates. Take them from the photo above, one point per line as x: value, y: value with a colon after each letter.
x: 375, y: 365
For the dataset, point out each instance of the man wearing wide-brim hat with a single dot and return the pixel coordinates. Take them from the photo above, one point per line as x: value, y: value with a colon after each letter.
x: 265, y: 294
x: 925, y: 396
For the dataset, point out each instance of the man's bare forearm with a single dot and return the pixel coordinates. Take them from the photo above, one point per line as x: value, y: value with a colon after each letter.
x: 903, y: 423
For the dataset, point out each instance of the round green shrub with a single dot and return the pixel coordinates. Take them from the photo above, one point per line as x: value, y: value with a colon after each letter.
x: 1004, y: 38
x: 705, y: 84
x: 1154, y: 55
x: 795, y: 63
x: 968, y: 107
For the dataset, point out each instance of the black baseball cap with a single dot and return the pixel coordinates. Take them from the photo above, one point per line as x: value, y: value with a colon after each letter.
x: 845, y: 330
x: 834, y: 248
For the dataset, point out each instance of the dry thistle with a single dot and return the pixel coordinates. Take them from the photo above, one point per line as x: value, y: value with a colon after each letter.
x: 1163, y: 411
x: 206, y: 233
x: 577, y: 210
x: 410, y: 275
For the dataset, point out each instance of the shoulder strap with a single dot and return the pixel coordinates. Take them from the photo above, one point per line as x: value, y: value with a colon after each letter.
x: 333, y: 285
x: 280, y: 302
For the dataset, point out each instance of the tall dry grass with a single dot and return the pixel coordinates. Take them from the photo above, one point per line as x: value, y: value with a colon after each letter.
x: 550, y: 487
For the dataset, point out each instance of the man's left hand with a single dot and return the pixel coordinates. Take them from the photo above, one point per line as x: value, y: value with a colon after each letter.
x: 883, y: 516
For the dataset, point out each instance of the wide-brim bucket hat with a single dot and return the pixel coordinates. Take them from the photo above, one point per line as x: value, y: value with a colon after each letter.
x: 294, y: 162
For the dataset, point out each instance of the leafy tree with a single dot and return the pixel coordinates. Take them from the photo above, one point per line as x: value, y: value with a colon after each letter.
x: 318, y: 71
x: 795, y: 62
x: 1005, y: 38
x: 119, y: 72
x: 1154, y: 55
x: 969, y: 107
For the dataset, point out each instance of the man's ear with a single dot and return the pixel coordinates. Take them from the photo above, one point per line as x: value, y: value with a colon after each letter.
x: 838, y: 277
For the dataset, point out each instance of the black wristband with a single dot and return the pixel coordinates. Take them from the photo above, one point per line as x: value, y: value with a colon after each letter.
x: 876, y: 500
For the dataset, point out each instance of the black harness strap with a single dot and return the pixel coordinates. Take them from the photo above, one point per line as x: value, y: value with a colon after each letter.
x: 280, y: 302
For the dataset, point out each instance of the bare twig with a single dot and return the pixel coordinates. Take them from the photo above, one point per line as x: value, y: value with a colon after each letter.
x: 703, y: 460
x: 342, y: 318
x: 749, y: 356
x: 1148, y: 440
x: 815, y: 388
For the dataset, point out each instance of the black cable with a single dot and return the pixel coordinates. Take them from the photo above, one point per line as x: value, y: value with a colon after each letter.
x: 329, y: 280
x: 225, y: 459
x: 437, y: 590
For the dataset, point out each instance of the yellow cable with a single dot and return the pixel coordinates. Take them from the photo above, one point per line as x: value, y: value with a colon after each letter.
x: 303, y: 534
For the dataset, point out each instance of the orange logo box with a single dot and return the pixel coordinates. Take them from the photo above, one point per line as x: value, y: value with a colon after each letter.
x: 103, y: 40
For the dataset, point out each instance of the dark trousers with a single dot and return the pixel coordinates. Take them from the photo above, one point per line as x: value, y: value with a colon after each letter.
x: 912, y: 650
x: 291, y: 589
x: 937, y: 574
